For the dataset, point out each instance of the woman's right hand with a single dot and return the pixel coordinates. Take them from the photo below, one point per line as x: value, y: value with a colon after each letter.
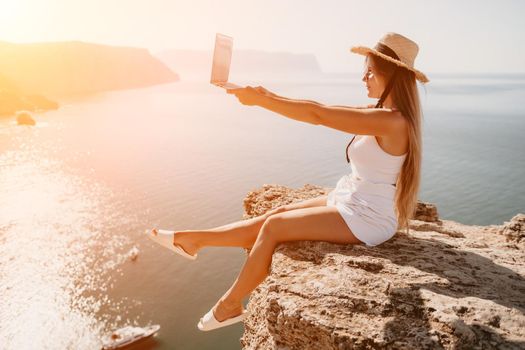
x: 248, y: 96
x: 264, y: 91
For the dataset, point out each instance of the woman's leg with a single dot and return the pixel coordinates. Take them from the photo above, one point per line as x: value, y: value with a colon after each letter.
x: 242, y: 233
x: 310, y: 224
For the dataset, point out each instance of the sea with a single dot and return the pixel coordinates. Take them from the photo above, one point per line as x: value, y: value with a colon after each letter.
x: 80, y: 187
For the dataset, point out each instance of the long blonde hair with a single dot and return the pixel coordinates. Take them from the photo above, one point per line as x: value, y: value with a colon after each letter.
x: 403, y: 91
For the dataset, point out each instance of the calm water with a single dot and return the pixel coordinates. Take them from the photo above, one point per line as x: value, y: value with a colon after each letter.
x: 79, y: 189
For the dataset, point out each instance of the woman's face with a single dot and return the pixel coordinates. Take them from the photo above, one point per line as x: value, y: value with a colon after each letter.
x: 374, y: 83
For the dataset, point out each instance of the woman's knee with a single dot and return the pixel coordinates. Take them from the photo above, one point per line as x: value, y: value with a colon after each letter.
x: 277, y: 210
x: 271, y: 228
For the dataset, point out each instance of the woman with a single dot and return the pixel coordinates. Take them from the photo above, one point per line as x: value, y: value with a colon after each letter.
x: 368, y: 206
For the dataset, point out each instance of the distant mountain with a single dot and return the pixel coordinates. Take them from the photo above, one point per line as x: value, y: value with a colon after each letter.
x: 61, y: 68
x: 245, y: 63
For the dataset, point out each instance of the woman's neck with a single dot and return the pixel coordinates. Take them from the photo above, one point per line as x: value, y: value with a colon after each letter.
x: 388, y: 103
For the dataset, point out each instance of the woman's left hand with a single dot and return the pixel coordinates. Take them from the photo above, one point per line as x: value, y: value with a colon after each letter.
x: 248, y: 95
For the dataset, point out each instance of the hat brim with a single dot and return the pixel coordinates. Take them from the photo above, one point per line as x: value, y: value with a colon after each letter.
x: 363, y: 50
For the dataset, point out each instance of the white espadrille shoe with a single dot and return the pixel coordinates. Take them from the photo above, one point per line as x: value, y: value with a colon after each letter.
x: 208, y: 322
x: 165, y: 238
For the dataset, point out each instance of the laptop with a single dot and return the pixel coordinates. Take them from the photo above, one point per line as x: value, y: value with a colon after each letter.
x: 222, y: 55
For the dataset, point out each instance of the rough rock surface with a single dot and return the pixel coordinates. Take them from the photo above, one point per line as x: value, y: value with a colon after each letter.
x: 445, y: 285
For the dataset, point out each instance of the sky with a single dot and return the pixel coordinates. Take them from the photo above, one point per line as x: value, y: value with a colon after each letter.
x: 453, y: 36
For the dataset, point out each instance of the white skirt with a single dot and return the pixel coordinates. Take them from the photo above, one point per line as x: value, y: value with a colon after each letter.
x: 366, y: 207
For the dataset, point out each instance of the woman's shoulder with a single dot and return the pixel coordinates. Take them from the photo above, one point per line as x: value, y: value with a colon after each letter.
x: 395, y: 110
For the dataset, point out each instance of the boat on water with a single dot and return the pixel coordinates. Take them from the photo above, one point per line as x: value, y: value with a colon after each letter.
x: 127, y: 335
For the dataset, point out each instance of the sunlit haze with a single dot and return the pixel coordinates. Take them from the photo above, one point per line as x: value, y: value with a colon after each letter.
x: 115, y: 119
x: 454, y: 36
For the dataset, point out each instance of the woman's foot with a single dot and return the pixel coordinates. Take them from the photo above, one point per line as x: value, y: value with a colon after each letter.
x: 223, y: 310
x: 184, y: 240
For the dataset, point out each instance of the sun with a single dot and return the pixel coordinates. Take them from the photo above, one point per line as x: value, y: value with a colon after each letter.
x: 10, y: 10
x: 10, y: 16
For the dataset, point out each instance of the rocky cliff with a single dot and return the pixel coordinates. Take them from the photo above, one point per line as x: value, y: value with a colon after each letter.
x: 12, y: 99
x: 445, y: 285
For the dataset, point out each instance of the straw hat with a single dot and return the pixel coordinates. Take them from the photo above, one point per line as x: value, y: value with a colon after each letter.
x: 402, y: 49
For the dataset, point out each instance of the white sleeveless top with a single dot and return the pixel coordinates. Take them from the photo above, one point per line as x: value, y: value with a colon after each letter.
x: 365, y: 197
x: 371, y: 163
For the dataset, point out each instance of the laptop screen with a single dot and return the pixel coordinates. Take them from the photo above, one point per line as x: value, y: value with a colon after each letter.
x: 222, y: 55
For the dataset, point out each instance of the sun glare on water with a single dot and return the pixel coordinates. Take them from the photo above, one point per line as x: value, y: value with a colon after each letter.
x: 60, y: 245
